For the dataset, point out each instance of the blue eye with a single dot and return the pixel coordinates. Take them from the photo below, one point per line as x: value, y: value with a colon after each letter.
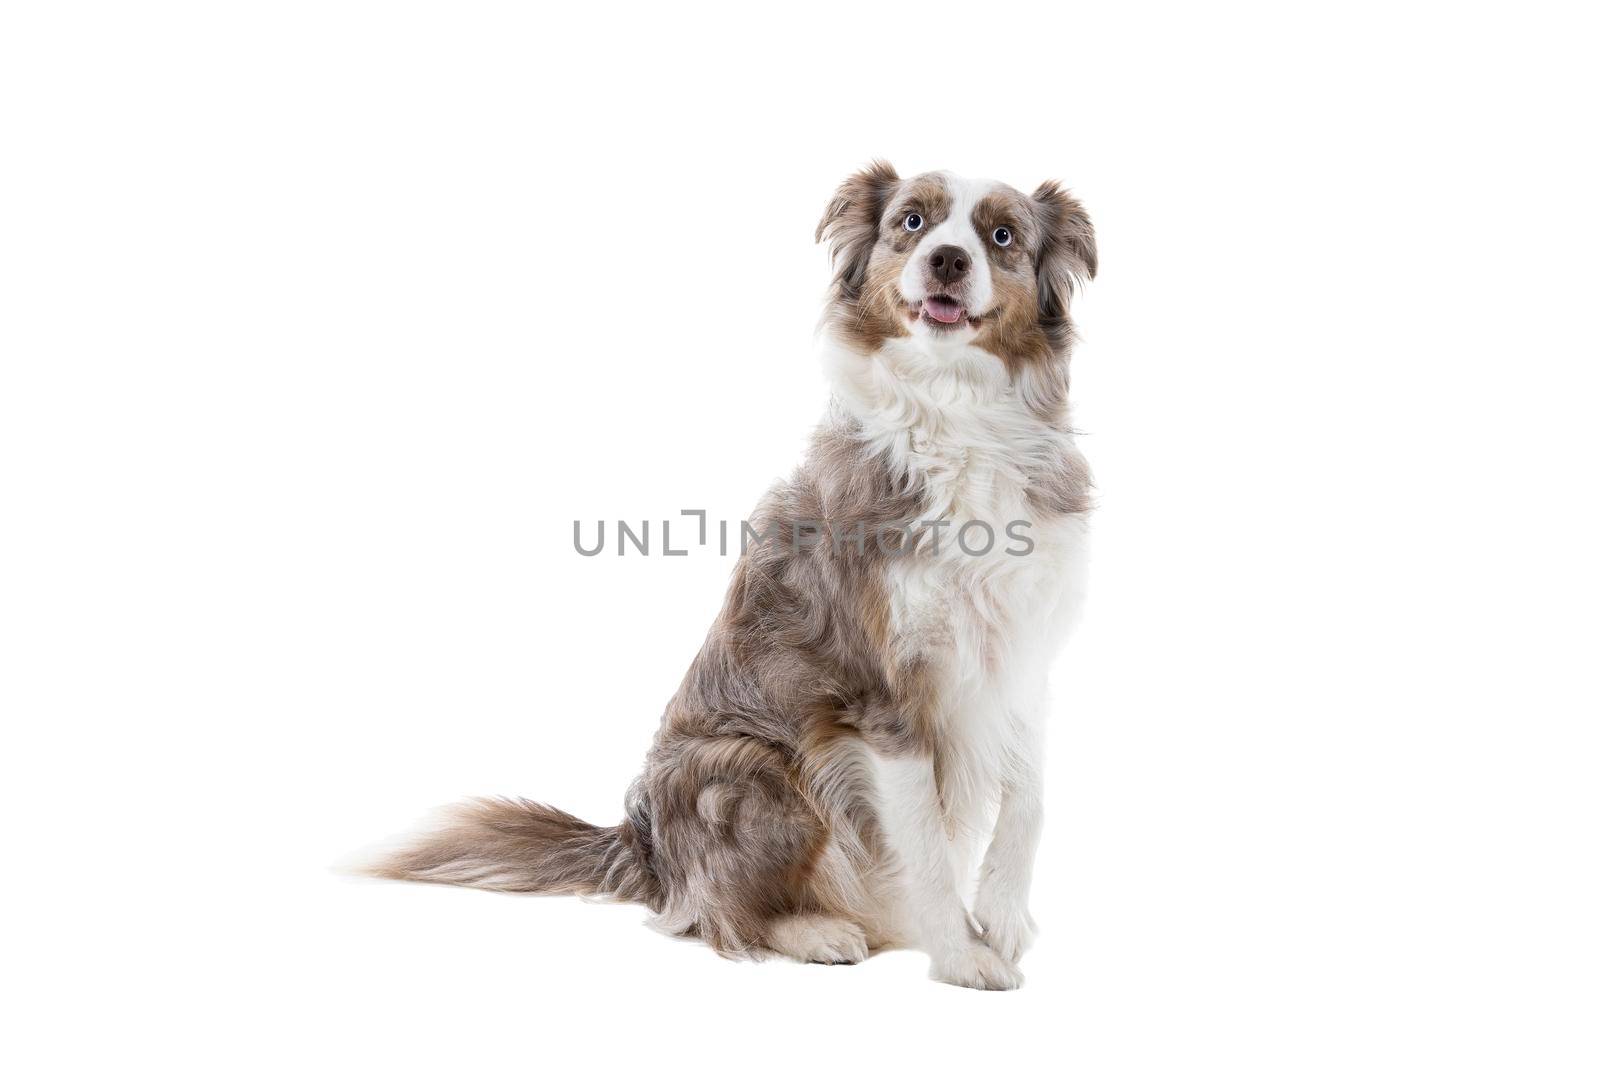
x: 913, y: 222
x: 1002, y: 236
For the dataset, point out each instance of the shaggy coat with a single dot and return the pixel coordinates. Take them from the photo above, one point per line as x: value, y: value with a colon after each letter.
x: 865, y: 712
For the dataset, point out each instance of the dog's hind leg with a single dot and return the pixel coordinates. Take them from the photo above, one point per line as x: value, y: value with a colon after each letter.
x: 735, y: 844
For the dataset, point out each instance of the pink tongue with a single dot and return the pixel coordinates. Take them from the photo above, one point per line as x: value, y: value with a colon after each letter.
x: 942, y: 309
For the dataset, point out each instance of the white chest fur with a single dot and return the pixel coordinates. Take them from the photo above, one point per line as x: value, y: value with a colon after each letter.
x: 988, y: 622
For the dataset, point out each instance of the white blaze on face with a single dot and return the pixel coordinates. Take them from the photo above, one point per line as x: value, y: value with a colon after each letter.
x: 957, y: 229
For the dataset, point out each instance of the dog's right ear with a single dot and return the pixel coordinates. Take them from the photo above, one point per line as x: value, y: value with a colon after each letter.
x: 850, y: 225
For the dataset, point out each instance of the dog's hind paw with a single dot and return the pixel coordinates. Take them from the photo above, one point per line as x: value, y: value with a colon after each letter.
x: 818, y: 939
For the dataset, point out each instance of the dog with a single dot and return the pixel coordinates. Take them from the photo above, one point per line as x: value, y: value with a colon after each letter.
x: 868, y: 706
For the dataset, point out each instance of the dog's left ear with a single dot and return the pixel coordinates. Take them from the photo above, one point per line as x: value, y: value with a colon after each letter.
x: 850, y: 225
x: 1067, y: 256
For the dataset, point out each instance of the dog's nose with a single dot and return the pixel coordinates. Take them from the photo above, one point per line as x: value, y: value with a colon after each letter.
x: 949, y: 263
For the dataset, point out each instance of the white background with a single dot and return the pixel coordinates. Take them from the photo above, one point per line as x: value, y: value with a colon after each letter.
x: 323, y: 321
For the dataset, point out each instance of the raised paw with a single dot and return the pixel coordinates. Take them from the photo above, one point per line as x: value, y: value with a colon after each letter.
x: 976, y: 966
x: 818, y: 939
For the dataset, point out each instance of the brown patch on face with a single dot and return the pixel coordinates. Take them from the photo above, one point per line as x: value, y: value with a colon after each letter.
x: 866, y: 226
x: 925, y: 195
x: 1007, y: 208
x: 1010, y: 327
x: 877, y: 313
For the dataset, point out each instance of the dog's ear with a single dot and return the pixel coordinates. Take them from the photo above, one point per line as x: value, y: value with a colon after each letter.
x: 850, y: 225
x: 1067, y: 255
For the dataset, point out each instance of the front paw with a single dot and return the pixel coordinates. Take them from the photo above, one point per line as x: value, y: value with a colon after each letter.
x: 975, y: 966
x: 1007, y: 930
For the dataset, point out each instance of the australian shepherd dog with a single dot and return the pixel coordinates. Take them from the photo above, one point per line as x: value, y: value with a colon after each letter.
x: 866, y: 712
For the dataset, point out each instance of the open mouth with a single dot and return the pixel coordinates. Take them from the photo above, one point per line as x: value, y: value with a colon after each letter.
x: 942, y: 311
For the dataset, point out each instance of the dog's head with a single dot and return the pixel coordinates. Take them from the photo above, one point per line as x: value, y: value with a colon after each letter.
x: 946, y: 257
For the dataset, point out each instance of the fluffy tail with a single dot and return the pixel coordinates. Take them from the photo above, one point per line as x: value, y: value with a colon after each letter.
x: 518, y: 846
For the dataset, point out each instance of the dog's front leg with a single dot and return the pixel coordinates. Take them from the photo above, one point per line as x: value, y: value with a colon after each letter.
x: 914, y: 825
x: 1001, y: 907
